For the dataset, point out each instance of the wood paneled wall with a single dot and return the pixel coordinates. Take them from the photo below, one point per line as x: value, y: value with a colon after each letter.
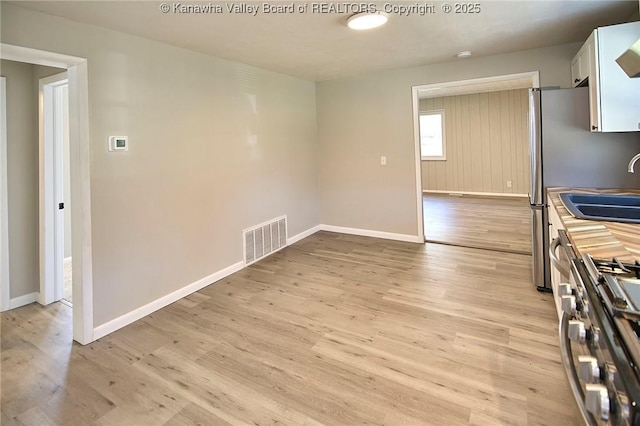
x: 487, y: 142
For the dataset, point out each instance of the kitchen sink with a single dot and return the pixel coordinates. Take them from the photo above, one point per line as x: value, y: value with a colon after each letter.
x: 603, y: 199
x: 605, y: 207
x: 610, y: 211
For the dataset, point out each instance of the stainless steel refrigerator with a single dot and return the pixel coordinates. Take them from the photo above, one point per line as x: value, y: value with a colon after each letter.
x: 564, y: 153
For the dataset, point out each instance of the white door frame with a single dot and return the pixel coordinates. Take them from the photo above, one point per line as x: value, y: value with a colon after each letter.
x: 525, y: 80
x: 51, y: 189
x: 5, y: 290
x: 80, y: 178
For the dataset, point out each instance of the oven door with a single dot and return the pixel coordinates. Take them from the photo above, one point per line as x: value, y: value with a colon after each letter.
x: 570, y: 354
x: 580, y: 356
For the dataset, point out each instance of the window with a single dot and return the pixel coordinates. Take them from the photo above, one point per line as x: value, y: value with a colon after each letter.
x: 432, y: 141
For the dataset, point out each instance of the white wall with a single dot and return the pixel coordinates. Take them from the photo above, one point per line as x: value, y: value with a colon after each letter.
x: 215, y: 147
x: 364, y: 117
x: 487, y: 143
x: 22, y: 177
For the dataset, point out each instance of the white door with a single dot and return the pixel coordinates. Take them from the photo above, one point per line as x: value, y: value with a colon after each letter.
x: 53, y: 124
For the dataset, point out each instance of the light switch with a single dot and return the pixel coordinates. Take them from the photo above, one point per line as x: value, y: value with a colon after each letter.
x: 383, y: 160
x: 118, y: 143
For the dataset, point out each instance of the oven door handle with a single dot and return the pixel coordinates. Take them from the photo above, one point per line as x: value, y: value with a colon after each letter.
x: 557, y: 242
x: 569, y: 368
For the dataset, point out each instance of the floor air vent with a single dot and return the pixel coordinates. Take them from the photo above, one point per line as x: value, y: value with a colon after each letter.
x: 264, y: 239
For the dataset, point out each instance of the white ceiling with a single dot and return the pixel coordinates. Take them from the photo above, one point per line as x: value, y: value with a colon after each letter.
x: 319, y: 46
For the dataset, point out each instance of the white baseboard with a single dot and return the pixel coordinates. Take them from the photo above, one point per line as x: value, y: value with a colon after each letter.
x: 136, y: 314
x: 303, y: 234
x: 375, y: 234
x: 19, y: 301
x: 488, y: 194
x: 354, y: 231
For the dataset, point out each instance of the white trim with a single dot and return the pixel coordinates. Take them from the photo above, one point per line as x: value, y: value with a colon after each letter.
x: 79, y: 144
x: 534, y: 76
x: 20, y: 301
x: 80, y: 170
x: 38, y: 57
x: 488, y: 194
x: 415, y: 93
x: 375, y: 234
x: 5, y: 283
x: 46, y: 218
x: 303, y: 235
x: 355, y: 231
x: 418, y: 162
x: 136, y: 314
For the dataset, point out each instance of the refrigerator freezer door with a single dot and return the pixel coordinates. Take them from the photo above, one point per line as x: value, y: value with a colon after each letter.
x: 536, y: 193
x: 540, y: 246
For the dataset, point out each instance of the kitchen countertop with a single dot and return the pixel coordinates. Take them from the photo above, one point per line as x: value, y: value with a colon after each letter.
x: 599, y: 238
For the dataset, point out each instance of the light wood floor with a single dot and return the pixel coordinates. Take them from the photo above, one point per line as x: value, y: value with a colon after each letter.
x: 336, y: 330
x: 497, y: 223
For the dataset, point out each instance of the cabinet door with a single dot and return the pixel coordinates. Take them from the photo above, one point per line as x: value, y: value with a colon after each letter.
x: 581, y: 64
x: 594, y: 82
x: 619, y: 94
x: 555, y: 224
x: 575, y: 71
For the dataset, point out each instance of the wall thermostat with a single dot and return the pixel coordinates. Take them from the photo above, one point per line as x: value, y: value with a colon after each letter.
x: 118, y: 143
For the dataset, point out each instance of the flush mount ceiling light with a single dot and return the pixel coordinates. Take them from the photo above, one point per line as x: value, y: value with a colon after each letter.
x: 464, y: 54
x: 366, y: 20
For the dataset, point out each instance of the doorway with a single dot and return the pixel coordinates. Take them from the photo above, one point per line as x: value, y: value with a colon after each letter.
x: 55, y: 191
x: 473, y: 178
x: 80, y: 187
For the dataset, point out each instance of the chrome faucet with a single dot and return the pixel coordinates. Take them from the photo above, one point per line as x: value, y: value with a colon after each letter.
x: 633, y: 162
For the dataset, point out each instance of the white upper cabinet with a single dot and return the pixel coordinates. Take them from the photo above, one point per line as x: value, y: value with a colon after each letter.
x: 580, y: 66
x: 614, y: 97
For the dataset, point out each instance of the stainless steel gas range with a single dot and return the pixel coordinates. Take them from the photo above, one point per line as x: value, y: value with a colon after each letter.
x: 600, y: 339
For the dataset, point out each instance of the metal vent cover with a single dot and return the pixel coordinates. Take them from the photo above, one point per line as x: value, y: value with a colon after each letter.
x: 264, y: 239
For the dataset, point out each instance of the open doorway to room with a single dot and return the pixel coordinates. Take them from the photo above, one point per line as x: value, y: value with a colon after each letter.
x: 474, y: 162
x: 57, y: 138
x: 22, y: 183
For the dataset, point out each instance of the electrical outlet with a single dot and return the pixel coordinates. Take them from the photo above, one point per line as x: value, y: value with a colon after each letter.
x: 508, y: 184
x: 383, y: 160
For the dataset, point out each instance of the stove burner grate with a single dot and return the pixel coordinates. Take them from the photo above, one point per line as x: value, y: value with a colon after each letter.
x: 616, y: 267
